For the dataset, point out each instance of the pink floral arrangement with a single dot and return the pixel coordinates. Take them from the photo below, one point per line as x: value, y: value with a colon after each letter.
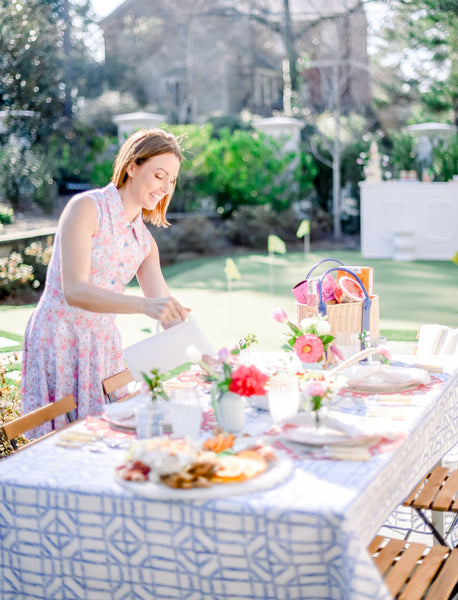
x: 245, y: 380
x: 311, y: 339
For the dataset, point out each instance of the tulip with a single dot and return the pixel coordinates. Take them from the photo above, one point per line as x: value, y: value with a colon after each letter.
x: 280, y: 315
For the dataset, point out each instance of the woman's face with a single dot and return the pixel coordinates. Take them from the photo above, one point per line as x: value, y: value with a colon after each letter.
x: 153, y: 179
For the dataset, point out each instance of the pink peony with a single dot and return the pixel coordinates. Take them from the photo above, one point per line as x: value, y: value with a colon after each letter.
x: 280, y: 315
x: 309, y: 348
x: 248, y: 381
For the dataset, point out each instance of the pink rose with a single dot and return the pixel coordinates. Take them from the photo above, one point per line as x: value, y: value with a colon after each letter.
x: 309, y: 348
x: 280, y: 315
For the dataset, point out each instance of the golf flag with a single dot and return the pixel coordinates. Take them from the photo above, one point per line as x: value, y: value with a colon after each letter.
x: 231, y: 270
x: 454, y: 258
x: 275, y: 244
x: 303, y: 229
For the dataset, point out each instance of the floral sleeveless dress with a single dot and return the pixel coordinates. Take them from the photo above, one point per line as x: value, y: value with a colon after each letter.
x: 68, y: 350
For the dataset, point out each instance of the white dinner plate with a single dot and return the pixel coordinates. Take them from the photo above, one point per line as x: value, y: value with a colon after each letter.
x: 276, y: 472
x: 128, y: 424
x: 380, y: 379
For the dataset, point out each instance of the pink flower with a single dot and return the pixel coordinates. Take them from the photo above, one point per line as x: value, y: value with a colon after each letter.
x: 336, y: 353
x: 248, y: 381
x: 309, y: 348
x: 224, y: 355
x: 385, y: 352
x: 316, y: 388
x: 280, y: 315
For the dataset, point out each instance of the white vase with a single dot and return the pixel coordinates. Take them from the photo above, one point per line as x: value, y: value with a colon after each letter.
x: 230, y: 412
x: 315, y: 366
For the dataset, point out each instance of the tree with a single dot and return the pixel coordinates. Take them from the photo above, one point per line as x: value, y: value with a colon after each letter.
x: 43, y: 64
x: 420, y: 47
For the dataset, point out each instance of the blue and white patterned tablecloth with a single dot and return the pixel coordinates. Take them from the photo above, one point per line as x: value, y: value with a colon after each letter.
x: 69, y: 531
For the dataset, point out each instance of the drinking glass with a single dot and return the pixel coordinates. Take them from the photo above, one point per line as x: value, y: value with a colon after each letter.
x: 185, y: 413
x: 283, y: 396
x: 148, y: 418
x: 375, y: 342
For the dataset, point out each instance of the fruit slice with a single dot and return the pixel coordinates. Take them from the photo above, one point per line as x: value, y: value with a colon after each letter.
x: 351, y: 290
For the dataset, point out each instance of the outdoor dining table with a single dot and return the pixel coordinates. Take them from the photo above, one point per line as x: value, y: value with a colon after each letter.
x: 69, y: 530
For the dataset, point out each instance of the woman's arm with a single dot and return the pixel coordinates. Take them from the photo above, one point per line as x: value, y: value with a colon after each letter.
x: 153, y: 284
x: 77, y: 226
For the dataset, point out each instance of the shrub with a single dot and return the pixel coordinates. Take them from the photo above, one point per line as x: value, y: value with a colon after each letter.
x: 250, y: 226
x: 6, y: 215
x: 38, y: 256
x: 15, y: 276
x: 25, y: 176
x: 10, y: 400
x: 243, y: 168
x: 199, y: 234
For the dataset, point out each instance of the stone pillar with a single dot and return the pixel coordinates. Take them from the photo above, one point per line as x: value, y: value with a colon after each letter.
x: 131, y: 122
x: 282, y: 127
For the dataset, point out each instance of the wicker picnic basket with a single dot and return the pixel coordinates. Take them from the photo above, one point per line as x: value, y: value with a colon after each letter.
x: 347, y: 320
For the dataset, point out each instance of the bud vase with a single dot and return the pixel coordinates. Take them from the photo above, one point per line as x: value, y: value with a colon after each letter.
x: 230, y: 412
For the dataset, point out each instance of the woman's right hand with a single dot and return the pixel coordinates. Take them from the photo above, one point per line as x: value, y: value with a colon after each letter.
x: 166, y: 310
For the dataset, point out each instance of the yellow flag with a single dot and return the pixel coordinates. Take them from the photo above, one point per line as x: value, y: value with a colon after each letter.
x: 275, y: 244
x: 303, y: 229
x: 231, y: 270
x: 454, y: 258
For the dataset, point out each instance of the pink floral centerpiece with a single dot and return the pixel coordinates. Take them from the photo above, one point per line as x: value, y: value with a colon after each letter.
x: 310, y: 340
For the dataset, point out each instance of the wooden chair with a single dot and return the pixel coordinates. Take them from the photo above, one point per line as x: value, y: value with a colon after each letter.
x: 437, y: 491
x: 116, y: 382
x: 10, y: 431
x: 413, y: 571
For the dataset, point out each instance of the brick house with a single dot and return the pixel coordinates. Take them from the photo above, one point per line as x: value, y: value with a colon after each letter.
x: 194, y: 58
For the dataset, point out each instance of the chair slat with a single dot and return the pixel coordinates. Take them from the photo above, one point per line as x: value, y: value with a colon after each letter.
x: 116, y: 382
x: 447, y: 579
x: 375, y: 545
x: 447, y: 493
x: 424, y: 574
x: 407, y: 560
x: 410, y: 498
x: 427, y: 495
x: 388, y: 554
x: 39, y: 416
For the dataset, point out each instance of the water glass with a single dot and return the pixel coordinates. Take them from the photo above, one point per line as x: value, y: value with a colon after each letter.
x: 148, y: 419
x: 185, y: 413
x: 283, y: 396
x: 375, y: 342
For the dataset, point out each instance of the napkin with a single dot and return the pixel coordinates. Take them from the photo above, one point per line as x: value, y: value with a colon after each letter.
x: 346, y: 427
x: 385, y: 375
x: 120, y: 411
x: 166, y: 350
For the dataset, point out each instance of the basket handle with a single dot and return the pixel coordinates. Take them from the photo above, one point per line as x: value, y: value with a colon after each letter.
x: 367, y: 302
x: 320, y: 262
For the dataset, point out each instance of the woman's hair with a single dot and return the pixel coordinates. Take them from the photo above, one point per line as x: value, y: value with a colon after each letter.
x: 138, y: 148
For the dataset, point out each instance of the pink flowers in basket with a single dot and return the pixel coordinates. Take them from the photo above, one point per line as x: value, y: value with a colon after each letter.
x: 311, y: 339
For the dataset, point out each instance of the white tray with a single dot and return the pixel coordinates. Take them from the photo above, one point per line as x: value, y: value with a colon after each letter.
x: 275, y: 473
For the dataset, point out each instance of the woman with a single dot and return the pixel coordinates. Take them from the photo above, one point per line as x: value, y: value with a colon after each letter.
x: 71, y: 341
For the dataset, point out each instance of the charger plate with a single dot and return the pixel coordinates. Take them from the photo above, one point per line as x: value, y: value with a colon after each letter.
x: 384, y: 379
x: 276, y: 472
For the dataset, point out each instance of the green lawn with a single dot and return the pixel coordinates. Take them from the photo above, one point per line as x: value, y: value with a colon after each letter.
x: 410, y: 294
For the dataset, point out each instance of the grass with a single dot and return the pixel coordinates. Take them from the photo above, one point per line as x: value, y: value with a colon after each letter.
x: 410, y: 293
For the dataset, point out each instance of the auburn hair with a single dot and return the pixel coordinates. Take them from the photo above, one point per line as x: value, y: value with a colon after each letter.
x: 138, y: 148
